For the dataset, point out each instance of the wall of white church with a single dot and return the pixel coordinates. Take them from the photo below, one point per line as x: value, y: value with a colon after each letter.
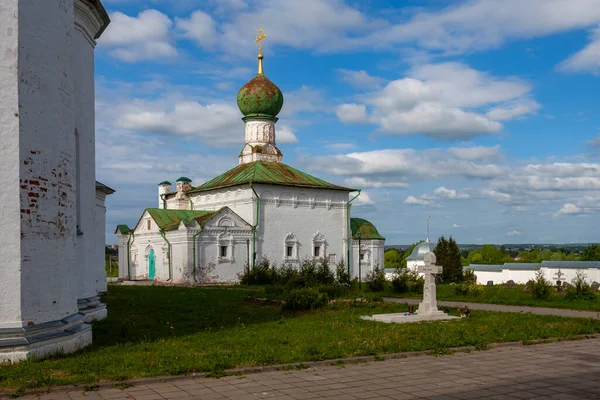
x: 91, y: 273
x: 372, y: 256
x: 303, y: 212
x: 38, y: 157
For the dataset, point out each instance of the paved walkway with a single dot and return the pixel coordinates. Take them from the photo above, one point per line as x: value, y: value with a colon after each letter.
x: 503, y: 308
x: 563, y: 370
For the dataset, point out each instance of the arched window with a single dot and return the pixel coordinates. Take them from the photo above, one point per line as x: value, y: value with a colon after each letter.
x: 319, y: 249
x: 225, y: 248
x: 290, y: 248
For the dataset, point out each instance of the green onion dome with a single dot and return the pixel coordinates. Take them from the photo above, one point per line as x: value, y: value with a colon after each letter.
x: 260, y: 97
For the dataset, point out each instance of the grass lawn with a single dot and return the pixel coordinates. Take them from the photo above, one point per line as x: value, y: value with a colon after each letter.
x: 500, y: 295
x: 154, y: 331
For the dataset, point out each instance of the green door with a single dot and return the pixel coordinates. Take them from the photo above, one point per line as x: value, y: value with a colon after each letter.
x: 151, y: 265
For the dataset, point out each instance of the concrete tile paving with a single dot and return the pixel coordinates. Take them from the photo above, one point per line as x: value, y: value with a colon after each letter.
x: 563, y: 370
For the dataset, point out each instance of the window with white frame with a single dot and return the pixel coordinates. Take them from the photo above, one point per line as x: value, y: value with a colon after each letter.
x: 319, y: 246
x: 317, y: 251
x: 225, y: 248
x: 290, y: 248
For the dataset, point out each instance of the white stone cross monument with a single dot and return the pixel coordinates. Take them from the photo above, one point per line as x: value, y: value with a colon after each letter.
x: 429, y: 304
x: 427, y: 310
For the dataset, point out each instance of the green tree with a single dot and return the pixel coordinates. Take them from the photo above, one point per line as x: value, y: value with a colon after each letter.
x: 394, y: 258
x: 591, y: 253
x: 447, y: 254
x: 489, y: 254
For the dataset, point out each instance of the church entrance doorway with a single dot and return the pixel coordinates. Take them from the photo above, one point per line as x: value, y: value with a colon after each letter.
x: 151, y: 265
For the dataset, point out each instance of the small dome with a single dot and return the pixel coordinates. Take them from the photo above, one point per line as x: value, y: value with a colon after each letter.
x: 260, y: 97
x: 420, y: 250
x: 164, y: 183
x: 366, y: 229
x: 184, y: 179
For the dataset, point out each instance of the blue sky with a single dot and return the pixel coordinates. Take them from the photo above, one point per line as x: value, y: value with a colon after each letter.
x: 480, y: 114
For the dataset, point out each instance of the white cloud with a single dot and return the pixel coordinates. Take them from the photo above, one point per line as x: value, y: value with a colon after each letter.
x: 585, y: 205
x: 585, y: 60
x: 285, y: 134
x: 450, y: 193
x: 444, y: 101
x: 316, y: 25
x: 352, y: 113
x: 402, y: 164
x: 417, y: 201
x: 569, y: 209
x: 499, y: 196
x: 200, y: 27
x: 217, y: 123
x: 513, y: 233
x: 363, y: 200
x: 456, y: 226
x: 359, y: 182
x: 483, y: 24
x: 145, y: 37
x: 595, y: 142
x: 340, y: 146
x: 475, y: 153
x: 360, y: 79
x: 514, y: 110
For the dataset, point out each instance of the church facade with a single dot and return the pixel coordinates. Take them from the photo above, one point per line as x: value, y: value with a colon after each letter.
x: 261, y: 208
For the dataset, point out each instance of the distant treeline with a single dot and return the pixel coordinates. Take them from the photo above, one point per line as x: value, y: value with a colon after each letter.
x: 395, y: 256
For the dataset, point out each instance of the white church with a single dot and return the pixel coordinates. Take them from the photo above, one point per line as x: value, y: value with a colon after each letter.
x: 51, y: 206
x: 261, y: 208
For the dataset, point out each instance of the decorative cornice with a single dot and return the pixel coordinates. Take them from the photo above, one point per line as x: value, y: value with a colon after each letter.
x: 91, y: 19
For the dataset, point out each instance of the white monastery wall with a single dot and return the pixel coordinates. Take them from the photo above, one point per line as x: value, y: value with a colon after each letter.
x: 521, y: 276
x: 10, y: 160
x: 47, y: 158
x: 240, y: 199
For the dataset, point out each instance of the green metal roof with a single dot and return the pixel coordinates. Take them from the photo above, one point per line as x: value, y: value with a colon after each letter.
x: 273, y: 173
x: 184, y: 179
x: 367, y: 230
x: 123, y: 229
x: 170, y: 219
x: 164, y: 183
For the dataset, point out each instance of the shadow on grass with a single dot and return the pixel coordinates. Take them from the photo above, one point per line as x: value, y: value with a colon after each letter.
x: 152, y: 313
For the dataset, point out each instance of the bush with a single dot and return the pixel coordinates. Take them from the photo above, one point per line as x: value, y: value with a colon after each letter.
x: 376, y: 279
x: 465, y: 288
x: 260, y: 274
x: 469, y: 276
x: 276, y: 290
x: 400, y: 281
x: 461, y: 289
x: 342, y: 277
x: 580, y: 290
x: 305, y: 299
x: 308, y: 271
x: 334, y: 291
x: 323, y: 274
x: 286, y: 275
x: 541, y: 287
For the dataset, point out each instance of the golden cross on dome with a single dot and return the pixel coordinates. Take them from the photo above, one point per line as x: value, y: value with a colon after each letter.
x: 261, y: 36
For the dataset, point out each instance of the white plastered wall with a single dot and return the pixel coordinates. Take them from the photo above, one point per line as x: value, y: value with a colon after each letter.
x: 521, y: 276
x: 373, y: 256
x: 37, y: 156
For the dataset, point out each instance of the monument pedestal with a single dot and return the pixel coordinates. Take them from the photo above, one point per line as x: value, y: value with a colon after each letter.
x: 427, y: 310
